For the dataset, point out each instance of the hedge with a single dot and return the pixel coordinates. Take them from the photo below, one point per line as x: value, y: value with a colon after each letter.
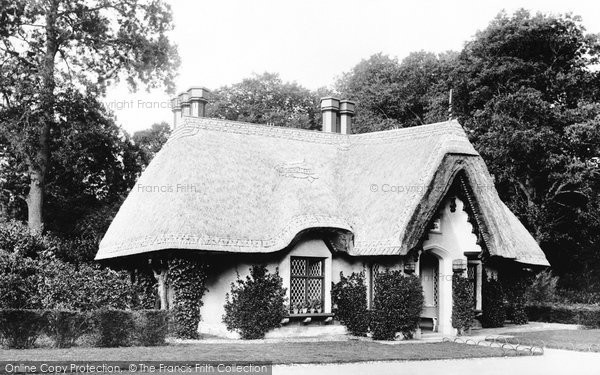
x: 494, y: 310
x: 20, y: 328
x: 586, y: 315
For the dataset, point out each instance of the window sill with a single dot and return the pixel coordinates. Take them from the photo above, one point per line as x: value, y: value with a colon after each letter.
x: 310, y: 315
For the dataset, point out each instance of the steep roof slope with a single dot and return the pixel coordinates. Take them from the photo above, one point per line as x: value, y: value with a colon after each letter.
x: 238, y: 187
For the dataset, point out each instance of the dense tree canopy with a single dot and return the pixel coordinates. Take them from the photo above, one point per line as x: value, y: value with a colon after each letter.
x: 55, y: 48
x: 266, y: 99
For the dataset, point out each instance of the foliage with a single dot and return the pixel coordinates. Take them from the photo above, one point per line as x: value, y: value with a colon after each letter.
x: 16, y: 238
x: 188, y: 277
x: 19, y: 278
x: 266, y: 99
x: 463, y: 310
x: 586, y: 315
x: 52, y: 284
x: 393, y: 94
x: 72, y: 49
x: 542, y: 288
x: 151, y: 327
x: 526, y: 95
x: 20, y: 328
x: 349, y: 297
x: 515, y: 285
x: 255, y: 305
x: 64, y: 286
x: 494, y: 311
x: 150, y: 141
x: 114, y: 328
x: 147, y: 288
x: 397, y: 304
x: 64, y: 327
x: 588, y: 297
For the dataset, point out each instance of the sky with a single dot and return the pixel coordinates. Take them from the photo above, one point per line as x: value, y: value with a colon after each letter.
x: 312, y: 42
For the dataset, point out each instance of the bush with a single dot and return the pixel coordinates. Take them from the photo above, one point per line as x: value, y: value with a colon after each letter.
x: 494, y: 313
x: 16, y: 238
x: 114, y: 328
x: 20, y: 329
x: 586, y: 315
x: 542, y: 288
x: 515, y: 287
x: 463, y: 310
x: 256, y: 304
x: 65, y: 327
x: 18, y: 282
x: 188, y: 278
x: 151, y: 327
x: 398, y: 304
x: 349, y: 296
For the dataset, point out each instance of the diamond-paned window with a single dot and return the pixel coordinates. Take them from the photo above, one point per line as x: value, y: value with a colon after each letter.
x: 472, y: 277
x: 307, y: 281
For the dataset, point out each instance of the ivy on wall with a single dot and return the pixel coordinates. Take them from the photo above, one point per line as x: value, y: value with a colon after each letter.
x: 188, y: 278
x: 146, y: 285
x: 462, y: 304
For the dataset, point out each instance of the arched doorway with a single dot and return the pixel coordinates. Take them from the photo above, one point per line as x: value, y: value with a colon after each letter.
x: 430, y: 281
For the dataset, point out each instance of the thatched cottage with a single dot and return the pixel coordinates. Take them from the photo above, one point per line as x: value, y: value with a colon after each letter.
x: 317, y: 203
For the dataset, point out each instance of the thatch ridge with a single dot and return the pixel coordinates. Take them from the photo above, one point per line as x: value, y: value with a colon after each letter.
x: 257, y: 187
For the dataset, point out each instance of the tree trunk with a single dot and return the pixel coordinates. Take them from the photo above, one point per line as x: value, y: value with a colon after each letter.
x: 39, y: 162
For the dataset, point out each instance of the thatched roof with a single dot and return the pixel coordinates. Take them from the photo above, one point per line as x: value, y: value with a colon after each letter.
x: 237, y: 187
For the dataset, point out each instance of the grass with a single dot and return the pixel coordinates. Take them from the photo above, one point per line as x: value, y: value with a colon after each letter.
x: 581, y: 340
x: 277, y: 353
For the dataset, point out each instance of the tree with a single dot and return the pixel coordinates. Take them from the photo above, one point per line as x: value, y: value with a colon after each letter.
x: 392, y: 94
x: 56, y: 46
x: 150, y: 141
x: 266, y: 99
x: 529, y: 100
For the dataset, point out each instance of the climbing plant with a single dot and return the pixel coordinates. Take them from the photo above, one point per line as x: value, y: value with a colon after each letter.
x: 188, y: 278
x: 146, y: 287
x: 462, y: 303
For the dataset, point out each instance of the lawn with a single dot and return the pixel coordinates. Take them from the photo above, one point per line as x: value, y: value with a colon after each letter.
x: 277, y: 353
x: 582, y: 340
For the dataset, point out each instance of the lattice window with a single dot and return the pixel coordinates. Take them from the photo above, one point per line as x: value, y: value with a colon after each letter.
x: 472, y: 277
x: 307, y: 281
x: 436, y: 287
x: 373, y: 278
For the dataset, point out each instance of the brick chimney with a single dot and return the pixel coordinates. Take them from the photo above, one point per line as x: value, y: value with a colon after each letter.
x: 190, y: 103
x: 330, y: 107
x: 347, y: 108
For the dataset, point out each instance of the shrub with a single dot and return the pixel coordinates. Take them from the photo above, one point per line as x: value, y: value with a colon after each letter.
x: 65, y: 327
x: 256, y: 304
x: 349, y: 296
x: 113, y: 327
x: 151, y: 327
x: 463, y: 310
x: 16, y: 238
x: 542, y: 288
x: 515, y: 288
x: 397, y: 305
x: 494, y: 313
x: 188, y: 278
x: 586, y: 315
x: 18, y: 282
x: 19, y: 328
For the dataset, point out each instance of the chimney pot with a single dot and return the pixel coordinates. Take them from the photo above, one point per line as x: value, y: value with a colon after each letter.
x: 347, y: 108
x: 198, y: 97
x: 330, y: 107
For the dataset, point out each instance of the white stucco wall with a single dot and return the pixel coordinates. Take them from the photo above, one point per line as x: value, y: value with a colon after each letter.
x: 455, y: 238
x: 226, y: 271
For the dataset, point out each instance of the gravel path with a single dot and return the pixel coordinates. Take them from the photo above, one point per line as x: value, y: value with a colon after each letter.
x: 553, y: 362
